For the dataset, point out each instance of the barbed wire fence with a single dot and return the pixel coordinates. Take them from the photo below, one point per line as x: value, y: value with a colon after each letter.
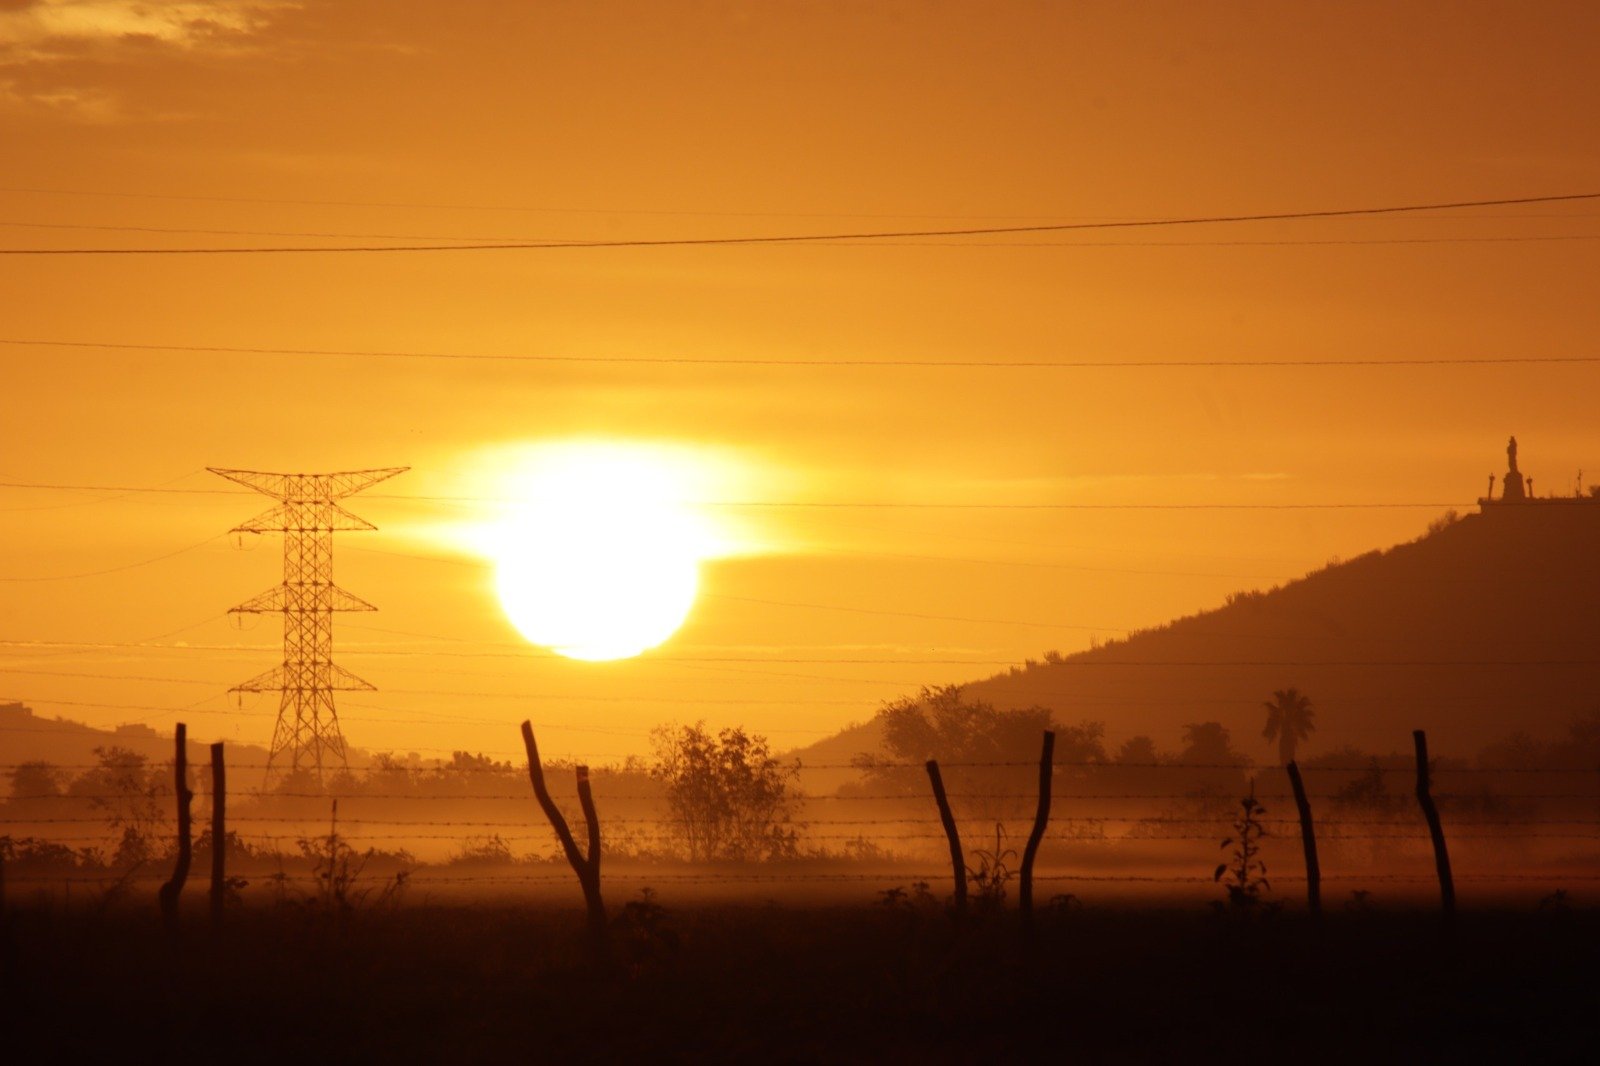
x: 876, y: 832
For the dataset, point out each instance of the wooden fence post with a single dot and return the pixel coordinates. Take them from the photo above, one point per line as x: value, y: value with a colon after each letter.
x: 219, y: 834
x: 957, y: 861
x: 1041, y: 819
x: 587, y: 867
x: 180, y: 872
x: 1308, y: 838
x: 1441, y: 857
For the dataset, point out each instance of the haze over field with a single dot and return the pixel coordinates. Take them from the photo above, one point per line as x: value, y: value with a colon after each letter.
x: 1164, y: 490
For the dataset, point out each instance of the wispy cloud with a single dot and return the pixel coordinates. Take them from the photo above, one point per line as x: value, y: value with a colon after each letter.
x: 41, y: 28
x: 57, y: 57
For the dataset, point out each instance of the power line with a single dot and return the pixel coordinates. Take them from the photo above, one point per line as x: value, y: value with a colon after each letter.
x: 913, y: 505
x: 1304, y: 243
x: 958, y: 364
x: 542, y: 241
x: 863, y: 235
x: 508, y: 208
x: 568, y: 209
x: 119, y: 569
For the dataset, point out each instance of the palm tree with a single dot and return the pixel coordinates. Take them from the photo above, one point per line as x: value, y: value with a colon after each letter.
x: 1289, y: 719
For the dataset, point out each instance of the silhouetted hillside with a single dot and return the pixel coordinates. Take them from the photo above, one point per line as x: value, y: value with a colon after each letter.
x: 1484, y: 626
x: 27, y: 736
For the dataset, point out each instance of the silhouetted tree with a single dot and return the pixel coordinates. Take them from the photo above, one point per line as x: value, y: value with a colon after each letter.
x: 134, y: 796
x: 1367, y: 793
x: 1138, y: 751
x: 1209, y: 744
x: 1290, y: 719
x: 728, y: 794
x: 35, y: 780
x: 989, y: 756
x: 940, y: 724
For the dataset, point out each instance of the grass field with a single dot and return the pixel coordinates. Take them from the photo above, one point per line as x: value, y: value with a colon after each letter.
x: 496, y: 982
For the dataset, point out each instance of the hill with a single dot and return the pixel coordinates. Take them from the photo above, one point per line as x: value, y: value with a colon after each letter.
x: 1484, y: 626
x: 28, y: 737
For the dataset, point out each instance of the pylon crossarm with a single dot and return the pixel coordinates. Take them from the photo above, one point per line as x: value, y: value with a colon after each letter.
x: 271, y: 681
x: 303, y: 518
x: 349, y: 482
x: 295, y: 598
x: 340, y: 600
x: 260, y: 480
x: 273, y: 600
x: 345, y: 681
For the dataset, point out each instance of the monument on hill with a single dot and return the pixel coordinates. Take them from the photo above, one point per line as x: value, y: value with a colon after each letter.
x: 1511, y: 485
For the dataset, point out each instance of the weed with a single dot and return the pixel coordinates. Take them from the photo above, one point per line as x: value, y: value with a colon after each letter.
x: 1245, y: 872
x: 1064, y: 903
x: 643, y: 933
x: 336, y: 871
x: 1556, y: 902
x: 989, y: 878
x: 491, y: 850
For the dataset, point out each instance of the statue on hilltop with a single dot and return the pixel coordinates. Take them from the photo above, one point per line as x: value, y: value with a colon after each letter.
x: 1511, y: 490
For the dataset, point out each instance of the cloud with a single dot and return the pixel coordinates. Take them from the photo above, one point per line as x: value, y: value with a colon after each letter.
x: 68, y: 59
x: 79, y: 105
x: 43, y: 28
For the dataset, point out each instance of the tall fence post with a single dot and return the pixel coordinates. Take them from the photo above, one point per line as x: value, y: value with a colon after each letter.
x: 180, y: 872
x: 587, y: 867
x: 1041, y: 819
x: 219, y: 834
x: 8, y: 953
x: 1308, y: 839
x: 1441, y: 856
x: 957, y: 860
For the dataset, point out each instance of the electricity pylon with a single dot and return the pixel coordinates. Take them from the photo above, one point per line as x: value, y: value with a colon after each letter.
x: 307, y: 735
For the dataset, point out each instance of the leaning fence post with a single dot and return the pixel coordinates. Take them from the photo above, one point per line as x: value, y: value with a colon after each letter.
x: 1041, y: 819
x: 587, y: 867
x: 219, y: 834
x: 957, y: 861
x: 180, y: 872
x: 1308, y: 838
x: 1441, y: 857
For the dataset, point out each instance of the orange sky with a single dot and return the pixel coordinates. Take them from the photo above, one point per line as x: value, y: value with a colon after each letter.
x: 241, y: 123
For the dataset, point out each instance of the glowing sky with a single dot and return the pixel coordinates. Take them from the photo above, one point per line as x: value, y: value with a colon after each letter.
x: 237, y: 124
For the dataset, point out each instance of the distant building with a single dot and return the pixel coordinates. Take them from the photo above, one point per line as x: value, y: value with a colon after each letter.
x: 15, y: 712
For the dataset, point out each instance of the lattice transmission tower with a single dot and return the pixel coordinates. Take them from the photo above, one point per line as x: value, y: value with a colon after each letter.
x: 307, y: 735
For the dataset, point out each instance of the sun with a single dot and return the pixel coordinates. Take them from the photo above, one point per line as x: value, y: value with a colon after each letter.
x: 599, y: 557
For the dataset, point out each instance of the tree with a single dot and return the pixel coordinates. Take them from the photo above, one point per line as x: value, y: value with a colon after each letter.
x: 35, y: 780
x: 729, y: 796
x: 1213, y: 767
x: 135, y: 798
x: 989, y: 756
x: 1210, y: 745
x: 1289, y: 721
x: 1138, y: 751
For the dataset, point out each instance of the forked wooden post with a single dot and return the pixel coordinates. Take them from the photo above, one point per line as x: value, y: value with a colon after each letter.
x: 1308, y: 838
x: 180, y: 872
x: 957, y: 860
x: 219, y: 834
x: 1441, y: 856
x: 587, y: 867
x: 1041, y: 819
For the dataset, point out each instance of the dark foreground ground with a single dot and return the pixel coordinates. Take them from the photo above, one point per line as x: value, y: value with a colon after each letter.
x: 495, y: 983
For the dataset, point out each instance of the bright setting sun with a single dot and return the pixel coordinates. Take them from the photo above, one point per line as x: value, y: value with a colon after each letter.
x: 599, y: 555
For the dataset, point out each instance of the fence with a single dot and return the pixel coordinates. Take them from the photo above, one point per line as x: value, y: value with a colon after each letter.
x: 1084, y: 829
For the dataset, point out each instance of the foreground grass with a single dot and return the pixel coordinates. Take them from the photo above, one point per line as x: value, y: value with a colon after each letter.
x: 498, y: 983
